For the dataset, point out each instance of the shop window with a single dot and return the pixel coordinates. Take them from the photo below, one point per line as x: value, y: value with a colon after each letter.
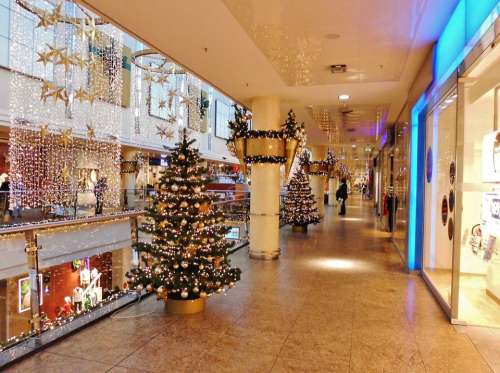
x: 223, y: 114
x: 479, y: 285
x: 439, y: 220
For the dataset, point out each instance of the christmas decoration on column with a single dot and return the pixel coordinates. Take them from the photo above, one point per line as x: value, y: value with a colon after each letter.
x: 300, y: 210
x: 261, y: 146
x: 187, y: 259
x: 69, y: 115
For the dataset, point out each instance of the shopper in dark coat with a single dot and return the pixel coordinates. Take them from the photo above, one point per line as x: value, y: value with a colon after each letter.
x: 342, y: 196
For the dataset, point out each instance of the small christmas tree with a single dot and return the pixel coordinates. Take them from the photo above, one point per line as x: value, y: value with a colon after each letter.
x: 300, y: 210
x: 187, y: 257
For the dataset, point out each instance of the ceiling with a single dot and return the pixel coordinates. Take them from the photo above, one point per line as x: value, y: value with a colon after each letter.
x: 249, y: 48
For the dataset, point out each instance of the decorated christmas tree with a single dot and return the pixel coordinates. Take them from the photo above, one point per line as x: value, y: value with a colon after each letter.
x: 187, y: 257
x: 300, y: 210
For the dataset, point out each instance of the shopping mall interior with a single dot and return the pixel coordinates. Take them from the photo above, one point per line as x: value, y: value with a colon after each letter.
x: 250, y: 186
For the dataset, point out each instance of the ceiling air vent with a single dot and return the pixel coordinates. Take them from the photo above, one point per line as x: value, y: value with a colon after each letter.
x: 351, y: 130
x: 337, y: 69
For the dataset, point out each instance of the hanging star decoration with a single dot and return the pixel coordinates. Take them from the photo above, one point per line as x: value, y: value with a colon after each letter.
x: 56, y: 15
x: 162, y: 104
x: 172, y: 119
x: 90, y: 131
x: 165, y: 133
x: 46, y: 88
x: 148, y: 100
x: 44, y: 131
x: 44, y: 57
x: 66, y: 60
x: 79, y: 61
x: 91, y: 97
x: 162, y: 79
x: 171, y: 95
x: 188, y: 101
x: 45, y: 19
x: 55, y: 53
x: 91, y: 30
x: 148, y: 78
x: 81, y: 94
x: 66, y: 136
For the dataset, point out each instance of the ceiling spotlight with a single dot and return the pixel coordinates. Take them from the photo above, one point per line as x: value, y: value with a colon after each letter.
x: 344, y: 97
x: 354, y: 145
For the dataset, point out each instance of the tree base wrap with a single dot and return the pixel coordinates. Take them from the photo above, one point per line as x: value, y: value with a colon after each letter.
x: 299, y: 228
x: 185, y: 307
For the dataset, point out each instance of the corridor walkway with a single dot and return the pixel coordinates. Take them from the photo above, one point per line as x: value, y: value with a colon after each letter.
x: 336, y: 301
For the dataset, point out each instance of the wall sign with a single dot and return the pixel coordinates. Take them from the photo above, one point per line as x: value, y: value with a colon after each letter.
x: 451, y: 200
x: 428, y: 165
x: 451, y: 229
x: 444, y: 210
x: 491, y: 158
x: 453, y: 172
x: 24, y: 293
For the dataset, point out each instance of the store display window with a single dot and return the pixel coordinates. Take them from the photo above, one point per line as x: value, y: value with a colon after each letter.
x: 479, y: 281
x: 438, y: 219
x: 67, y: 292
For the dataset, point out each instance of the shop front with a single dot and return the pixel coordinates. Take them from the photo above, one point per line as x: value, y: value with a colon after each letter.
x: 75, y: 283
x: 455, y: 174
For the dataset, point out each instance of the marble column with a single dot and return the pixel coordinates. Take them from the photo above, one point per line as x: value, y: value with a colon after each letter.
x: 122, y: 263
x: 332, y: 190
x: 318, y: 182
x: 265, y: 187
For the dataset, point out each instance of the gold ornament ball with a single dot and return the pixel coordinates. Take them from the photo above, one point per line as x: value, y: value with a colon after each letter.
x: 183, y: 222
x: 201, y: 225
x: 184, y: 264
x: 157, y: 270
x: 201, y: 266
x: 195, y: 290
x: 149, y: 288
x: 175, y: 187
x: 182, y: 157
x: 175, y: 266
x: 197, y: 190
x: 211, y: 239
x: 184, y: 294
x: 184, y: 204
x: 197, y: 205
x: 203, y: 294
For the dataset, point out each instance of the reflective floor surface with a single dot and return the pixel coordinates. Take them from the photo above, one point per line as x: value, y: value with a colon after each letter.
x: 336, y: 301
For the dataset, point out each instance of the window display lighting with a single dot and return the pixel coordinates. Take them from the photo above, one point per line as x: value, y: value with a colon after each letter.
x: 68, y: 105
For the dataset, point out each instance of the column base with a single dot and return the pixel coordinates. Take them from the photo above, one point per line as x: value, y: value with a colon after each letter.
x: 264, y: 255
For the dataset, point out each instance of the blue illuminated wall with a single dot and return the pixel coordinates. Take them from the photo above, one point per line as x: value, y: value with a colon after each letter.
x: 469, y: 21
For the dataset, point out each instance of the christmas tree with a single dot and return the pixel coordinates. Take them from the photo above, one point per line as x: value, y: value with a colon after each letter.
x: 188, y: 255
x: 299, y: 202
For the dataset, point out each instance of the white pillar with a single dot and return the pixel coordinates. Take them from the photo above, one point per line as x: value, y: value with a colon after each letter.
x: 121, y: 264
x: 332, y: 190
x: 318, y: 182
x: 129, y: 180
x: 265, y: 187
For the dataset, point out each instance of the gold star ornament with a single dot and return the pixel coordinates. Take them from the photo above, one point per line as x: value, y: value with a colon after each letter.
x: 66, y: 136
x: 165, y: 133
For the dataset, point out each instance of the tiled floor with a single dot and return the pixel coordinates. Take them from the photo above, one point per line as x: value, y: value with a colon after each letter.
x: 336, y: 301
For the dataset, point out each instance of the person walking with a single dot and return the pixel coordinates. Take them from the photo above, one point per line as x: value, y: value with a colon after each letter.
x: 341, y: 196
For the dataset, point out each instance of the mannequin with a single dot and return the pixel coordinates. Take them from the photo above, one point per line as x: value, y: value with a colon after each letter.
x: 77, y: 298
x: 85, y: 277
x: 93, y: 274
x: 68, y: 307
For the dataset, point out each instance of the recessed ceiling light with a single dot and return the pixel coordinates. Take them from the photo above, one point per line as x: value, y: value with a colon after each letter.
x: 332, y: 36
x: 344, y: 97
x: 354, y: 145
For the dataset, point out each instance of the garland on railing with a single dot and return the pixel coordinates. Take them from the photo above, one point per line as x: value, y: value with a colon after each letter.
x: 260, y: 146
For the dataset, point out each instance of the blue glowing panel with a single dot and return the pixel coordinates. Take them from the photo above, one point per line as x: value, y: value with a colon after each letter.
x: 417, y: 141
x: 450, y: 46
x: 477, y: 12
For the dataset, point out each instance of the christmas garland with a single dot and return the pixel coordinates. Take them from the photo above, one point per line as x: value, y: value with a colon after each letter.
x: 239, y: 127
